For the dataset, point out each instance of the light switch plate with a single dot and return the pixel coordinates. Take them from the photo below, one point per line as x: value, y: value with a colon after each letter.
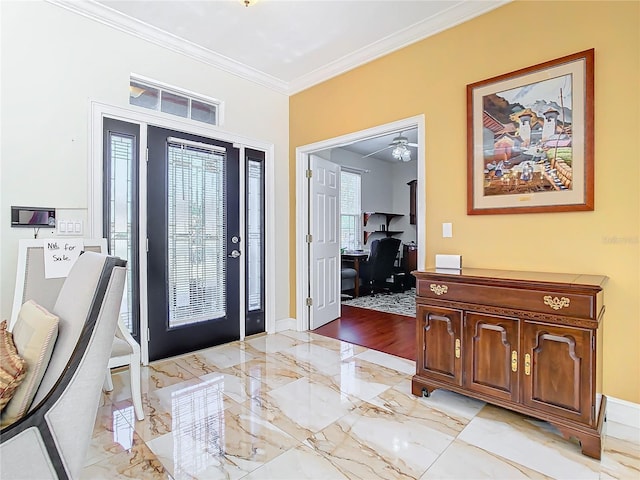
x: 447, y: 230
x: 70, y: 228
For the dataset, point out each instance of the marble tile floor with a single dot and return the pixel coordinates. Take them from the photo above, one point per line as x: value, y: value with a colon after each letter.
x: 296, y: 405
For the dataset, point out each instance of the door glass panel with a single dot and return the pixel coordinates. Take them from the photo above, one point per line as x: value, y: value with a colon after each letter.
x: 254, y: 233
x: 196, y: 234
x: 120, y: 234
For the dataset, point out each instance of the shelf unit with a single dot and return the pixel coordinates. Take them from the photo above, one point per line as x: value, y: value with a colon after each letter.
x: 386, y: 231
x: 413, y: 185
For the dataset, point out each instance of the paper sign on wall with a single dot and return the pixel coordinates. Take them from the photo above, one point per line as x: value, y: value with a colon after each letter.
x: 60, y: 255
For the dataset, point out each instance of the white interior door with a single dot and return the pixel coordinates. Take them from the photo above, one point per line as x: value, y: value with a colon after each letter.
x: 324, y: 268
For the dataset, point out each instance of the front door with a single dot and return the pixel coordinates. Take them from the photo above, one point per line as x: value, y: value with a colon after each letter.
x: 193, y: 252
x: 325, y: 241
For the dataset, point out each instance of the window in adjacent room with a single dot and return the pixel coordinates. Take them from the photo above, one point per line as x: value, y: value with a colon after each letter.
x: 350, y: 210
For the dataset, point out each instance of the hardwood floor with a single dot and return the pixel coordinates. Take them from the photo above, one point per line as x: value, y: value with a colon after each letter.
x: 386, y: 332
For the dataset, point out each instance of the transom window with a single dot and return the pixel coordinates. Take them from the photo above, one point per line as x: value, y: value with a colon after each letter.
x: 350, y: 210
x: 155, y: 96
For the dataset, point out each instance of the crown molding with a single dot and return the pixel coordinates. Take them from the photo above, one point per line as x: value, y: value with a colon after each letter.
x: 458, y: 13
x: 124, y: 23
x: 455, y: 15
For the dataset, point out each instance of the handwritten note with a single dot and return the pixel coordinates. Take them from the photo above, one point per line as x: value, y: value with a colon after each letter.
x: 60, y: 255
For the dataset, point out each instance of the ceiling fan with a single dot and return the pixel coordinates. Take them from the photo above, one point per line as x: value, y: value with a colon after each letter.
x: 400, y: 150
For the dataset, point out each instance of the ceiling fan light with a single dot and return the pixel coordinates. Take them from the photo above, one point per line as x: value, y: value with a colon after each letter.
x: 401, y: 152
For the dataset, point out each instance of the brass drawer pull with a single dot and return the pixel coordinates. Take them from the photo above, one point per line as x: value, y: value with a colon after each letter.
x: 527, y: 364
x: 438, y: 289
x: 514, y: 361
x: 555, y: 302
x: 457, y: 348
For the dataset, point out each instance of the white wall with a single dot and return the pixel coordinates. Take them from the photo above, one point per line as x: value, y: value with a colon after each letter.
x: 376, y: 188
x: 53, y: 63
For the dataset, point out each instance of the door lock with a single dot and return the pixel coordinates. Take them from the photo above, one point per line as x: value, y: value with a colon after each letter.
x: 234, y: 254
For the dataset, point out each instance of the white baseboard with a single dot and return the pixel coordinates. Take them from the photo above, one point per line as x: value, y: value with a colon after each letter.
x: 624, y: 412
x: 286, y: 324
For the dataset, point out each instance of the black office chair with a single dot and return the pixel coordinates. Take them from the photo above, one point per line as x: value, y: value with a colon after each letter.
x: 380, y: 265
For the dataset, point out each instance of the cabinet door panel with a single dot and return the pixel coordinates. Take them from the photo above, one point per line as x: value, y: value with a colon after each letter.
x: 557, y: 378
x: 491, y: 355
x: 439, y: 340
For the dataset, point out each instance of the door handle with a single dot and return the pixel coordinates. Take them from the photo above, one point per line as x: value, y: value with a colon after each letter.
x: 234, y: 254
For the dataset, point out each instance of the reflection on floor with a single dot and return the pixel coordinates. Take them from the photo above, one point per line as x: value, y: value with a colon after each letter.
x: 299, y: 405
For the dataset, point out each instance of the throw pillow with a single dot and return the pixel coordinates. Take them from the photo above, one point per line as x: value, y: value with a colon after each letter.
x: 12, y: 367
x: 34, y: 334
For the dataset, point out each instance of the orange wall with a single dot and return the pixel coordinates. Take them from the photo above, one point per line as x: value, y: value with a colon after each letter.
x: 430, y: 77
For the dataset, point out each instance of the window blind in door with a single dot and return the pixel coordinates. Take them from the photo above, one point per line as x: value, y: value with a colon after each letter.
x: 196, y: 232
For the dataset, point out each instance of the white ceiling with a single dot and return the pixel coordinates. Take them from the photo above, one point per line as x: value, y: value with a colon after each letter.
x: 285, y: 45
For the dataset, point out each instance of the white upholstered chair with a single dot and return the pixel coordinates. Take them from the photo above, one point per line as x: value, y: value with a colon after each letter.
x: 31, y: 284
x: 126, y: 352
x: 51, y: 439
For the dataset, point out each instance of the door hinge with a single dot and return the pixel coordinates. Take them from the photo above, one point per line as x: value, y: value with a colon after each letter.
x: 309, y: 173
x: 148, y: 334
x: 147, y: 245
x: 147, y: 155
x: 309, y: 238
x: 593, y: 343
x: 309, y: 302
x: 593, y: 412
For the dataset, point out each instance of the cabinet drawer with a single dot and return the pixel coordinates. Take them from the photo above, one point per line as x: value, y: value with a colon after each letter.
x: 543, y: 301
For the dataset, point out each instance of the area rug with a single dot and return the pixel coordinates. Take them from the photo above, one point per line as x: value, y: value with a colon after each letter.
x: 398, y: 303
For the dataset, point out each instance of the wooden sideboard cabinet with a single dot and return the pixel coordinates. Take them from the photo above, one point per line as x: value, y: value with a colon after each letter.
x: 526, y: 341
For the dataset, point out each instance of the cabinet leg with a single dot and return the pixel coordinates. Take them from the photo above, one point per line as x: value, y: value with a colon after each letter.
x: 591, y: 443
x: 419, y: 389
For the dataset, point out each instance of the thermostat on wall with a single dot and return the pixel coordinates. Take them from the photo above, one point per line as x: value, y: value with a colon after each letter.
x: 33, y: 217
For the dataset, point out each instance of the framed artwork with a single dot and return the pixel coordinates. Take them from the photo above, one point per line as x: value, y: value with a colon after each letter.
x: 530, y: 139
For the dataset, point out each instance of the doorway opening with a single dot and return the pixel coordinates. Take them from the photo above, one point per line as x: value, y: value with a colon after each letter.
x: 305, y: 218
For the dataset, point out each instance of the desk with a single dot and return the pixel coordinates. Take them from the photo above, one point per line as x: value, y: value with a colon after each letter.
x: 353, y: 260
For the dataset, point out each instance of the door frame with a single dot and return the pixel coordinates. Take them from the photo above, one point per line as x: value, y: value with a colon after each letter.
x: 99, y: 110
x: 302, y: 201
